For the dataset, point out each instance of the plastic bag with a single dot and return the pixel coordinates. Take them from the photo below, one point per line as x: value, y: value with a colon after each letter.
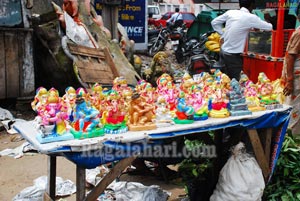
x: 135, y: 191
x: 241, y: 178
x: 36, y: 192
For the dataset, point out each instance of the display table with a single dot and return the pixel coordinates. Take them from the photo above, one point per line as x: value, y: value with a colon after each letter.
x: 86, y: 153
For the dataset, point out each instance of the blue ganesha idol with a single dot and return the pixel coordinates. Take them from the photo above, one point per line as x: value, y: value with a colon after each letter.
x: 86, y: 120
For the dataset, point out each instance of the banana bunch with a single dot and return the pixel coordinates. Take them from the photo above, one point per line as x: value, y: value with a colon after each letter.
x: 213, y: 42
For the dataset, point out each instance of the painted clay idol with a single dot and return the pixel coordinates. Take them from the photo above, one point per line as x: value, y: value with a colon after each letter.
x: 141, y: 114
x: 184, y: 112
x: 114, y: 116
x: 53, y: 120
x: 86, y: 120
x: 237, y: 101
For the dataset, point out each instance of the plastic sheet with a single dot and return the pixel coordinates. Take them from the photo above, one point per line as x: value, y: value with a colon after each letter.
x: 36, y: 192
x: 134, y: 191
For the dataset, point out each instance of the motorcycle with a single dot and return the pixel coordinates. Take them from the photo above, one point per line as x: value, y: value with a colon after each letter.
x: 176, y: 35
x: 188, y: 47
x: 152, y: 36
x: 203, y: 63
x: 157, y: 44
x: 199, y: 58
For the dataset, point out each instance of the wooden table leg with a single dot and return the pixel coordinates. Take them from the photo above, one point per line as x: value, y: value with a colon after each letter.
x: 259, y: 152
x: 113, y: 174
x: 268, y: 140
x: 80, y: 183
x: 51, y: 176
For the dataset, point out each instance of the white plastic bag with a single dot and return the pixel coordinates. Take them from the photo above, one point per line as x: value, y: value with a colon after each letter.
x: 240, y: 179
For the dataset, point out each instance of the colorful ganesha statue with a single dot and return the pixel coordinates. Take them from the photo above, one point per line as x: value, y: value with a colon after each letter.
x: 86, y: 120
x: 114, y: 116
x: 184, y: 112
x: 199, y: 104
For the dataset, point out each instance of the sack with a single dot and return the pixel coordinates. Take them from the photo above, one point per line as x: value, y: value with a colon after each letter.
x: 240, y: 179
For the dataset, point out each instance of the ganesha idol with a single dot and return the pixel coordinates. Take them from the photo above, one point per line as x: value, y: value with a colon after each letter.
x: 53, y: 124
x: 184, y: 112
x: 86, y: 120
x: 199, y: 104
x: 266, y: 94
x: 163, y: 115
x: 40, y: 100
x: 114, y: 115
x: 218, y: 104
x: 251, y: 95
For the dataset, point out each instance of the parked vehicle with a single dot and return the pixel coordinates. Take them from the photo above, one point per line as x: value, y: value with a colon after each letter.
x: 154, y: 11
x: 188, y: 19
x: 196, y: 56
x: 176, y: 35
x: 188, y: 47
x: 160, y: 41
x: 152, y: 36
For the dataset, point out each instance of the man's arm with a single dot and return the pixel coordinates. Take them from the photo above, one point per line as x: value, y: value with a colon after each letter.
x: 289, y: 82
x: 257, y: 23
x: 293, y: 49
x: 217, y: 23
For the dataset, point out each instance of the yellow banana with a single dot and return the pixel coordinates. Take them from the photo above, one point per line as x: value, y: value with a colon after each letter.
x: 210, y: 43
x: 211, y: 38
x: 214, y: 46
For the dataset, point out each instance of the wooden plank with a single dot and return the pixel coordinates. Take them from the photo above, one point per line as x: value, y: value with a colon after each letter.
x: 110, y: 62
x: 259, y: 152
x: 91, y: 72
x: 12, y: 64
x: 112, y: 175
x: 51, y: 177
x: 80, y: 183
x: 47, y: 197
x: 268, y: 140
x: 86, y: 51
x: 2, y: 67
x: 21, y: 52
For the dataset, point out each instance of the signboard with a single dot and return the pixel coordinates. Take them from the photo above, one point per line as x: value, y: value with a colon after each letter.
x: 132, y: 15
x: 10, y: 13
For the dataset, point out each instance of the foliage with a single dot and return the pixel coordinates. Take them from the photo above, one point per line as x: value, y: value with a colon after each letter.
x: 285, y: 183
x: 195, y: 172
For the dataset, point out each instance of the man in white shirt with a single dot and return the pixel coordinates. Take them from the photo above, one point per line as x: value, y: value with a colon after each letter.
x: 175, y: 20
x: 238, y: 24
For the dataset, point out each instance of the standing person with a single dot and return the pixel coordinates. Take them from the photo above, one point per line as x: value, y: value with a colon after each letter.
x: 291, y: 75
x: 238, y: 24
x: 175, y: 20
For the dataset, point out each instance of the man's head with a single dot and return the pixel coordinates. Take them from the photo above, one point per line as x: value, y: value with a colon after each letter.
x: 177, y: 10
x: 249, y: 4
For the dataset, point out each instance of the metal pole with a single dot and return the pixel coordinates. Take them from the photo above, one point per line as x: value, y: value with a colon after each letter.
x: 278, y: 44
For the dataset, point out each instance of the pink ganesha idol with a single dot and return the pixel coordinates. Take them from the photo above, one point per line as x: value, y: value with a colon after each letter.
x: 251, y: 95
x: 171, y: 95
x: 200, y: 105
x: 54, y: 120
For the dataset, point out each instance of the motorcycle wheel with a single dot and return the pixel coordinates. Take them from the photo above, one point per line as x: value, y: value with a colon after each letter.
x: 179, y: 55
x: 155, y: 48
